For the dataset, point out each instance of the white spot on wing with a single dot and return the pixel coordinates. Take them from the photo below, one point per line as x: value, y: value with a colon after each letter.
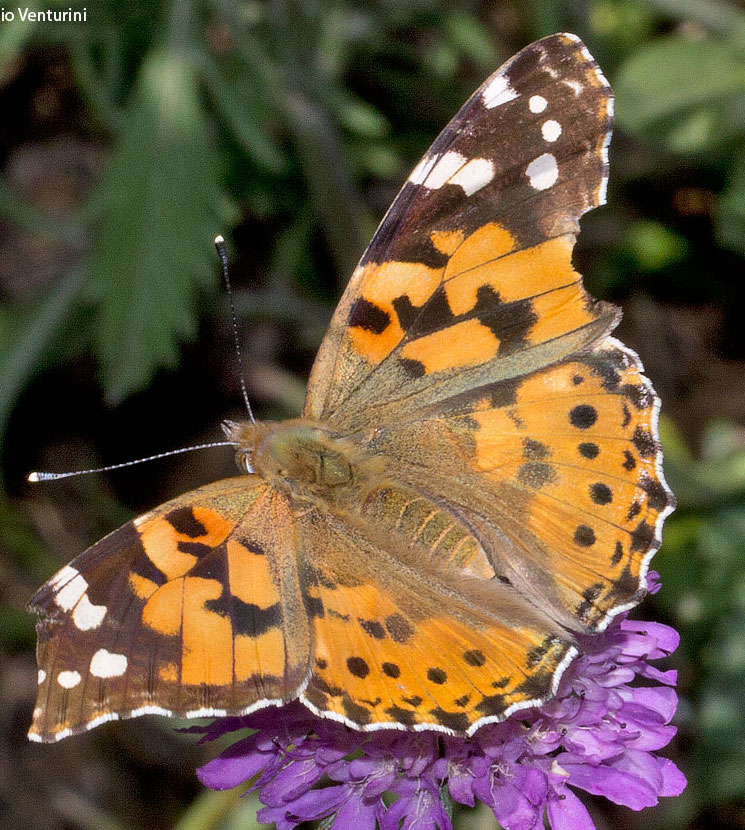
x: 550, y: 130
x: 419, y: 173
x: 73, y: 587
x: 575, y: 86
x: 447, y: 165
x: 543, y: 172
x: 87, y: 615
x: 498, y: 91
x: 474, y: 175
x: 42, y: 676
x: 69, y: 679
x: 537, y: 103
x: 63, y: 575
x: 106, y: 664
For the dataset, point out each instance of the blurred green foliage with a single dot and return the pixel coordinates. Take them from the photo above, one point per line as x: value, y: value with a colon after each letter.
x: 292, y: 123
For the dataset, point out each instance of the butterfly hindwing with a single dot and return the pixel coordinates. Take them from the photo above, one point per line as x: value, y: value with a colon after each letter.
x: 404, y: 639
x: 193, y: 608
x: 558, y: 474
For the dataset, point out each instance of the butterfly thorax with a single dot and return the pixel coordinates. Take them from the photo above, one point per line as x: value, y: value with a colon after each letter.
x: 306, y: 459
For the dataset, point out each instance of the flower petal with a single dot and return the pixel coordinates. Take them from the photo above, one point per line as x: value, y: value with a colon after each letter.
x: 567, y: 812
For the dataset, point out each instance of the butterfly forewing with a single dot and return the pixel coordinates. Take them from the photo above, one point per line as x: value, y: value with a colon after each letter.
x: 194, y: 608
x: 469, y: 278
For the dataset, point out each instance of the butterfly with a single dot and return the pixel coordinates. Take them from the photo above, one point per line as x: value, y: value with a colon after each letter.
x: 475, y: 479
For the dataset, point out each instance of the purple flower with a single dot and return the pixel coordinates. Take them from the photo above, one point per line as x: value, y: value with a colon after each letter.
x: 599, y: 733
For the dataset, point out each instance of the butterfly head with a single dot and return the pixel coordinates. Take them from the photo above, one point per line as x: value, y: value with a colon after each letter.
x: 246, y: 436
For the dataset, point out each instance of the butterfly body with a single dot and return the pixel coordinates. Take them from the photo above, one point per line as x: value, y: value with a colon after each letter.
x: 476, y: 476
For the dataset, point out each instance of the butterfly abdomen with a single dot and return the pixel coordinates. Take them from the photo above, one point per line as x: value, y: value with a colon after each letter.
x: 421, y: 524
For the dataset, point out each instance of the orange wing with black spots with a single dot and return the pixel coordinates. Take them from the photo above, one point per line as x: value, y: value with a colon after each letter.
x: 402, y: 640
x: 558, y: 474
x: 193, y: 609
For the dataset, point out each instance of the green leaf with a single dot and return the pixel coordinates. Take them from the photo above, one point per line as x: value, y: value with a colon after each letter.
x: 159, y: 213
x: 245, y: 104
x: 676, y: 90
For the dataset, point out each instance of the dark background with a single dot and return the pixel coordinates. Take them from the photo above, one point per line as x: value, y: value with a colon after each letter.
x: 129, y: 141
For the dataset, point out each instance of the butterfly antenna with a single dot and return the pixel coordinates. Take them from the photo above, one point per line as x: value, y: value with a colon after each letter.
x: 39, y: 476
x: 220, y: 246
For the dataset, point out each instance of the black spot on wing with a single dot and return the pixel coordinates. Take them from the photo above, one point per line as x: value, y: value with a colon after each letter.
x: 142, y: 565
x: 313, y: 605
x: 403, y: 716
x: 583, y: 416
x: 492, y: 705
x: 399, y: 628
x: 248, y: 619
x: 629, y: 461
x: 368, y: 316
x: 600, y: 493
x: 474, y: 657
x: 358, y: 667
x: 373, y: 628
x: 323, y: 686
x: 355, y: 712
x: 419, y: 321
x: 584, y: 536
x: 183, y: 521
x: 626, y: 587
x: 658, y: 497
x: 642, y: 537
x: 510, y: 322
x: 438, y: 676
x: 413, y: 368
x: 457, y: 721
x: 198, y: 549
x: 251, y: 545
x: 644, y: 442
x: 589, y: 450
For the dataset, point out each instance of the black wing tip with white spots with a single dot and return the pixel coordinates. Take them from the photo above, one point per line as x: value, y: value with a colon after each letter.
x: 528, y: 149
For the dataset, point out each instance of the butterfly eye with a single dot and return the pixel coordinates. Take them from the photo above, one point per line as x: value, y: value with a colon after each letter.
x: 244, y: 460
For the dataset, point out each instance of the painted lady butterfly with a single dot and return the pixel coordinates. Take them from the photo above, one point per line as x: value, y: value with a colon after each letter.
x: 476, y: 474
